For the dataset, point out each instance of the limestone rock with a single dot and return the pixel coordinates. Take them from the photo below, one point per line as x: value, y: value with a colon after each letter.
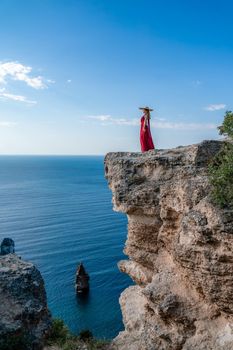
x: 24, y: 316
x: 180, y: 249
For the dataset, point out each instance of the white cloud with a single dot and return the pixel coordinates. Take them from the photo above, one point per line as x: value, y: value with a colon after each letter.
x: 6, y: 96
x: 51, y: 81
x: 18, y: 71
x: 68, y: 81
x: 183, y: 126
x: 108, y: 120
x: 217, y: 107
x: 14, y: 70
x: 101, y: 118
x: 157, y: 123
x: 7, y: 124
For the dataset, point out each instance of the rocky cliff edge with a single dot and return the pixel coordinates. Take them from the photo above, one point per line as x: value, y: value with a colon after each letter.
x: 180, y: 249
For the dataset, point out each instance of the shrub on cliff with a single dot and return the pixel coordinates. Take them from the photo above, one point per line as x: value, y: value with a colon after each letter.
x: 59, y: 332
x: 226, y: 128
x: 221, y: 167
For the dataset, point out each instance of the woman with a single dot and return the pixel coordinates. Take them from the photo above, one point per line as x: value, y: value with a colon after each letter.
x: 145, y: 134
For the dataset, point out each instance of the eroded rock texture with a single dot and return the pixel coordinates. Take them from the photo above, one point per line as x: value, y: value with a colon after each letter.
x: 24, y: 316
x: 180, y: 249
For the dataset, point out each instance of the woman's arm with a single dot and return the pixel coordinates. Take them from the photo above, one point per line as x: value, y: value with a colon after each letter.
x: 145, y: 123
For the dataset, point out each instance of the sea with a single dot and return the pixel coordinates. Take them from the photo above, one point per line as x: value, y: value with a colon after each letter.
x: 58, y: 211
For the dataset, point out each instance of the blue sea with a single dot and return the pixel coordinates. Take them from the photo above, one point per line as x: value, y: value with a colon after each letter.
x: 58, y: 211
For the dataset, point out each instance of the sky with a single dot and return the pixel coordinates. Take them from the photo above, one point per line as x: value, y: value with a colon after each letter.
x: 74, y: 72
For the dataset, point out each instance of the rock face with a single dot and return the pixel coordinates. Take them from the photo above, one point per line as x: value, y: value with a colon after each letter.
x: 24, y: 316
x: 180, y: 249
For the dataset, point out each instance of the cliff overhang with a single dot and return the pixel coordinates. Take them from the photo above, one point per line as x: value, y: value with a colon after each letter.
x: 180, y: 250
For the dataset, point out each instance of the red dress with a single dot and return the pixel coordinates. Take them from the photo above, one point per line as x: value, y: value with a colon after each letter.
x: 145, y: 136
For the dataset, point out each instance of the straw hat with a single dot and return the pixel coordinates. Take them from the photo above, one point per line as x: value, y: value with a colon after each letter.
x: 147, y: 108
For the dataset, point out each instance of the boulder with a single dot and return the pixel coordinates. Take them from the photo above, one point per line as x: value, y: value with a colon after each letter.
x: 24, y: 316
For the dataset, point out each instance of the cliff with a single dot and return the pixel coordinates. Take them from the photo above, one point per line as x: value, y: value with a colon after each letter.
x: 180, y: 251
x: 24, y: 316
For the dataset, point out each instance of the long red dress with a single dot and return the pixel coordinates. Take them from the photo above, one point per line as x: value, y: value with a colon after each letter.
x: 145, y: 136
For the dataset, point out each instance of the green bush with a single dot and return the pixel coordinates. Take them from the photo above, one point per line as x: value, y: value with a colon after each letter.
x: 226, y: 128
x: 221, y: 167
x: 59, y: 332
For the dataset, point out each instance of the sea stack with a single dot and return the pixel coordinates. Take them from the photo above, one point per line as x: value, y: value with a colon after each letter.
x: 7, y: 246
x: 82, y: 280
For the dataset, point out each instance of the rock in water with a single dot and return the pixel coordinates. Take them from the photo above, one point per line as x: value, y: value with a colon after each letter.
x: 24, y: 317
x: 82, y: 280
x: 180, y: 247
x: 7, y: 246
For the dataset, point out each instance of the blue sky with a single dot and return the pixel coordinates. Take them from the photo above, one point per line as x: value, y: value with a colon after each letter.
x: 74, y: 72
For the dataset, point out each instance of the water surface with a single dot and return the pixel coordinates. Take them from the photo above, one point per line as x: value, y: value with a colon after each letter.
x: 58, y: 211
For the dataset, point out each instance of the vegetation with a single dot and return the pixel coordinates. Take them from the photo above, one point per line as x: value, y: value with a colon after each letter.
x: 65, y: 340
x: 59, y: 332
x: 221, y: 167
x: 85, y: 335
x: 226, y: 128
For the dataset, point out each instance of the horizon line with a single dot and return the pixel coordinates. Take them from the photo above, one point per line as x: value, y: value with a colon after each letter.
x: 49, y: 155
